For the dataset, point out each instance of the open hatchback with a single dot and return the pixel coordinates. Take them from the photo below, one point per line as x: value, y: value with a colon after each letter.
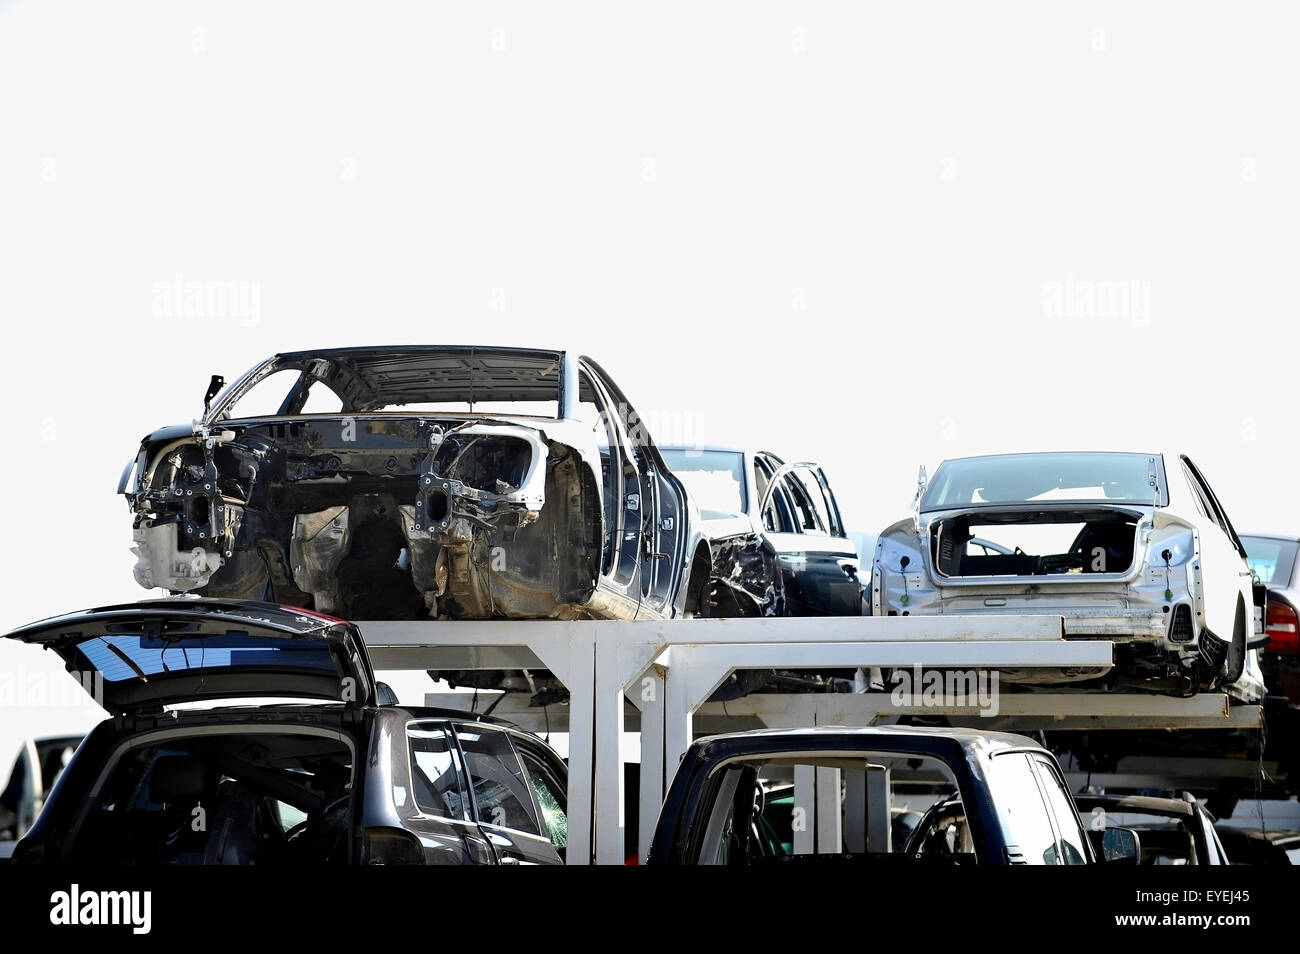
x: 143, y: 657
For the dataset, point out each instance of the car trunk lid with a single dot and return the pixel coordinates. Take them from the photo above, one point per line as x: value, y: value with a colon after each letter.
x: 142, y: 657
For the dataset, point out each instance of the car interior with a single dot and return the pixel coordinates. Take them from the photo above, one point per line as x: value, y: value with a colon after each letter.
x: 223, y: 799
x: 757, y: 819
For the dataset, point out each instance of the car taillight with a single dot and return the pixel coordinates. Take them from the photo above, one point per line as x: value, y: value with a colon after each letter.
x: 391, y: 846
x: 1282, y: 626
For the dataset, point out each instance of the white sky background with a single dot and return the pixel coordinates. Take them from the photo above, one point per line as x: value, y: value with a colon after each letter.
x: 830, y: 231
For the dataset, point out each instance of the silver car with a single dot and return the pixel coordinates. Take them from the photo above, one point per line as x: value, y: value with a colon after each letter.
x: 1130, y: 547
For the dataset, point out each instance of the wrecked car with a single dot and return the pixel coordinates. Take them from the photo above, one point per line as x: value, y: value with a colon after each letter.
x: 988, y: 798
x: 792, y: 507
x: 1172, y: 831
x: 254, y: 734
x: 1129, y: 547
x: 424, y: 482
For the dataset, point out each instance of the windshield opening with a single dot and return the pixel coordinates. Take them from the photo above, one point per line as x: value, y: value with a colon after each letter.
x: 716, y: 479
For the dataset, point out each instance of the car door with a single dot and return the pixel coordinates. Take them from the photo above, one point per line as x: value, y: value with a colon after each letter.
x: 801, y: 519
x: 436, y: 807
x: 620, y: 484
x: 550, y: 782
x: 1029, y: 832
x: 654, y: 501
x: 1225, y: 574
x: 1071, y: 838
x: 501, y: 795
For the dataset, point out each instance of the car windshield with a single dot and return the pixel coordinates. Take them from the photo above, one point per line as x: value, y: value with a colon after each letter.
x: 1026, y: 478
x: 715, y: 478
x: 1271, y: 559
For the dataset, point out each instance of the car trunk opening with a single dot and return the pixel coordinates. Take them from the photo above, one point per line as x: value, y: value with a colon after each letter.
x: 277, y: 796
x: 1039, y: 543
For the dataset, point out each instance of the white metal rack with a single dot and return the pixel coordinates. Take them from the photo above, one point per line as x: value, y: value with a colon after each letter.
x: 668, y: 669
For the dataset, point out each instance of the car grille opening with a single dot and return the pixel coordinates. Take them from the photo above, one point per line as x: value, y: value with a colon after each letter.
x: 1180, y: 630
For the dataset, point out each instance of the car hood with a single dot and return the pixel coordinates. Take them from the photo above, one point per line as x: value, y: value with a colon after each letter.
x: 144, y: 656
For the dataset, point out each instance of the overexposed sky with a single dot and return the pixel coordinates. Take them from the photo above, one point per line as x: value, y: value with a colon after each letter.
x: 871, y: 234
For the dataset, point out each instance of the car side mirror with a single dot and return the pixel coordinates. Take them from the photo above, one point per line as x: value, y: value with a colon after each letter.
x: 1116, y: 846
x: 384, y: 694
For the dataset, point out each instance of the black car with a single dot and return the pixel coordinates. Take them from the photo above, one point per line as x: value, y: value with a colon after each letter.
x: 993, y: 798
x: 1172, y: 831
x: 331, y: 778
x: 792, y: 507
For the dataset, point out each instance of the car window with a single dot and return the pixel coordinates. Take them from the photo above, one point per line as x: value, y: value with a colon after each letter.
x: 1021, y: 478
x: 1270, y: 559
x: 1072, y: 837
x: 809, y: 517
x: 1211, y: 503
x: 1026, y: 824
x: 435, y: 772
x: 947, y: 832
x: 715, y: 478
x: 550, y: 798
x: 502, y: 791
x: 811, y: 488
x: 266, y: 397
x: 777, y: 513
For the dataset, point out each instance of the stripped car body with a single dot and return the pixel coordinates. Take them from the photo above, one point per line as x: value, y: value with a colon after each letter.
x: 450, y: 482
x: 1153, y: 563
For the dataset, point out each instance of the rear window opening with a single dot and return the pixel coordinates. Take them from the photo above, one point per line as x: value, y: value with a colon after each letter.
x: 765, y: 811
x: 1041, y: 543
x: 223, y: 799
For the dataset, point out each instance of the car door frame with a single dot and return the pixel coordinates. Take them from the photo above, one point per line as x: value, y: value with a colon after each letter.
x: 510, y: 846
x: 1225, y: 546
x: 526, y: 745
x: 475, y: 846
x: 829, y: 554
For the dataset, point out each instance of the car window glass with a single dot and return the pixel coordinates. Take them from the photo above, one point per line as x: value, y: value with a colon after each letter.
x: 812, y: 490
x: 1220, y: 512
x: 550, y: 798
x: 1021, y: 810
x: 1270, y: 559
x: 502, y: 792
x: 1204, y: 498
x: 435, y: 774
x: 806, y: 515
x: 1073, y: 850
